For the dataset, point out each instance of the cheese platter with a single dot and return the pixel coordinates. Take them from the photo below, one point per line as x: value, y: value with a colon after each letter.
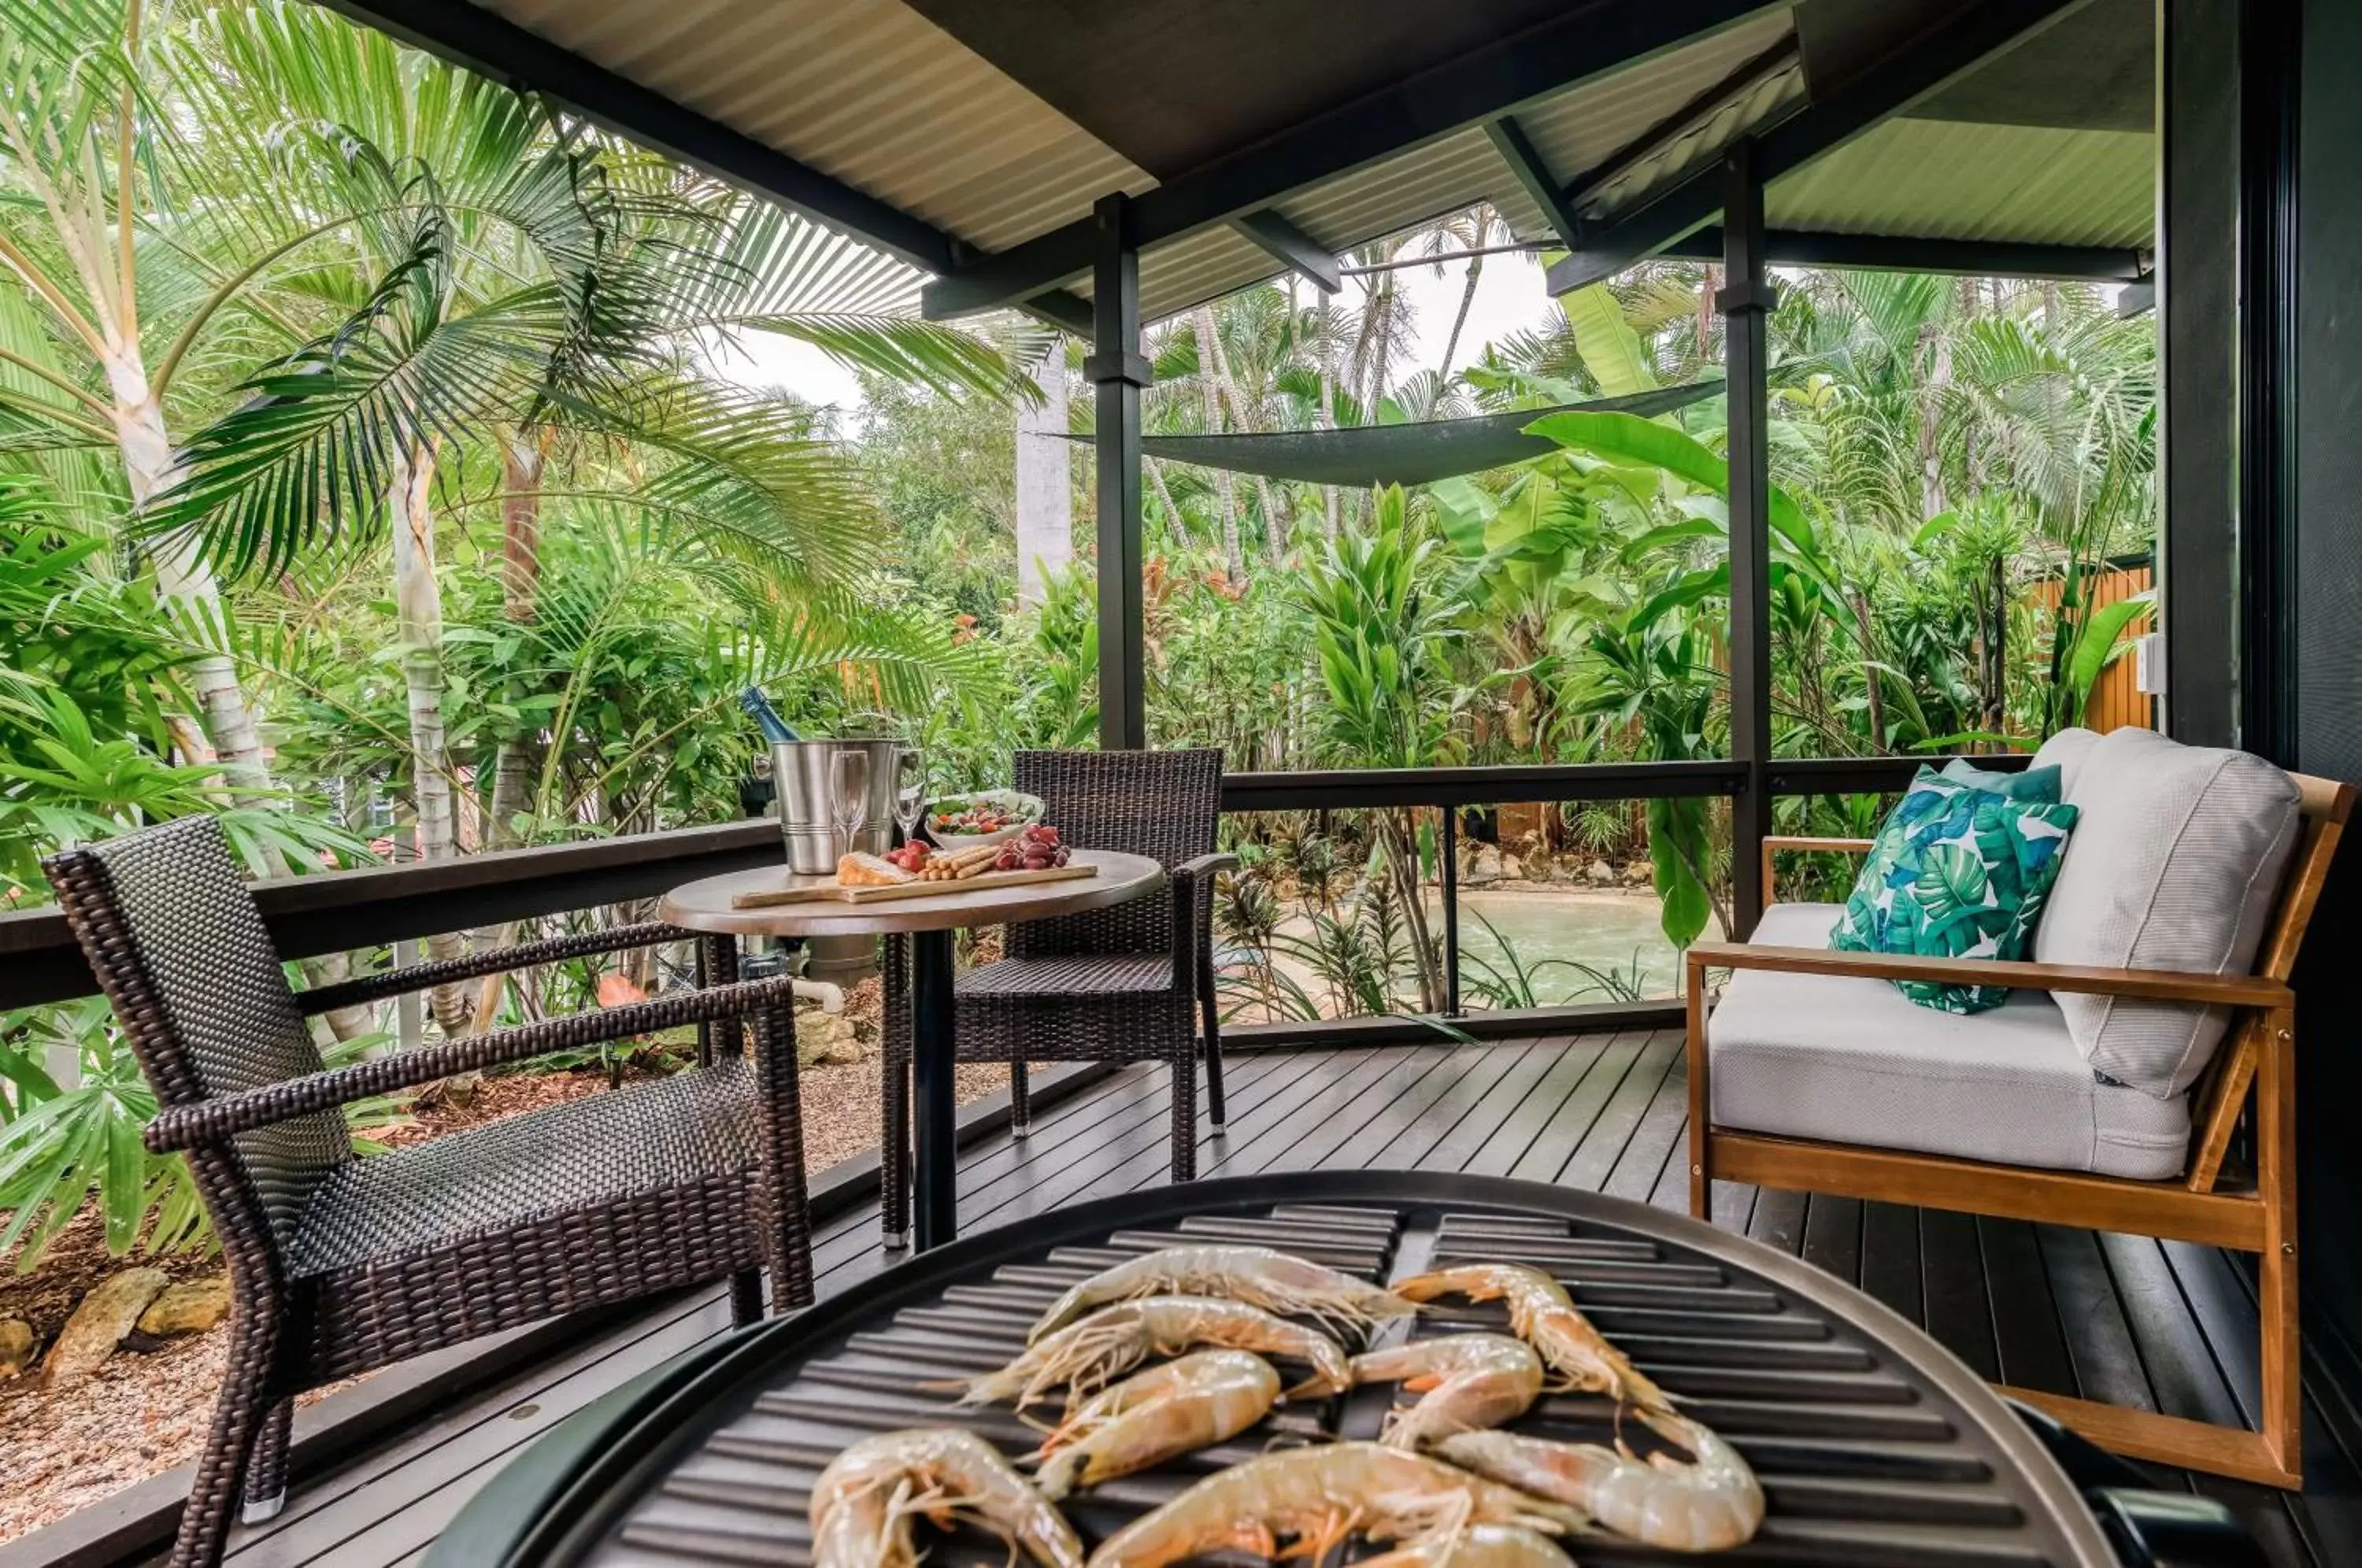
x: 827, y: 890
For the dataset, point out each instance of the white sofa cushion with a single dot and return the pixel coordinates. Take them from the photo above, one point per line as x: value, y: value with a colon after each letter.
x: 2175, y: 864
x: 1852, y: 1061
x: 2066, y: 752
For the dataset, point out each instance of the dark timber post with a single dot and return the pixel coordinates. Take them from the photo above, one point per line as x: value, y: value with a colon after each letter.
x: 1115, y: 368
x: 1746, y: 302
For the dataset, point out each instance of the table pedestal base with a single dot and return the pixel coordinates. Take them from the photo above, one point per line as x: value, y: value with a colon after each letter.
x: 935, y: 1104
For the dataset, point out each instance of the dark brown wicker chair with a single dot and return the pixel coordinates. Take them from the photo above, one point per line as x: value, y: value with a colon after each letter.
x: 339, y: 1265
x: 1127, y: 984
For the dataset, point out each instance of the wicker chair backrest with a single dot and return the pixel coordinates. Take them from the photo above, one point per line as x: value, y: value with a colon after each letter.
x: 1163, y: 804
x: 177, y: 942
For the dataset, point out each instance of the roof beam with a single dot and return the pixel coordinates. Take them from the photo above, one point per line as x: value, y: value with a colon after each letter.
x: 1909, y: 253
x: 1681, y: 122
x: 1291, y: 247
x: 491, y: 45
x: 1589, y: 41
x: 484, y: 42
x: 1525, y: 164
x: 1952, y: 48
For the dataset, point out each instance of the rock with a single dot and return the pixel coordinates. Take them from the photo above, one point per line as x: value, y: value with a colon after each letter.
x: 1601, y: 871
x: 187, y: 1307
x: 1485, y: 865
x: 1512, y: 868
x: 110, y: 1311
x: 1637, y: 872
x: 16, y: 1347
x: 826, y: 1039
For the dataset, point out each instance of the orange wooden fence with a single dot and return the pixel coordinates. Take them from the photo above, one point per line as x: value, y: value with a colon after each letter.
x: 2116, y: 702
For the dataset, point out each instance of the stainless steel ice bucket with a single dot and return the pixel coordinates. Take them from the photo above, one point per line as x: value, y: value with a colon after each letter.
x: 800, y: 778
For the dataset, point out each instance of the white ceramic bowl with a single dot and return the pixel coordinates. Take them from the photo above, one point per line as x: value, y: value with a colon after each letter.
x: 1016, y: 800
x: 948, y: 842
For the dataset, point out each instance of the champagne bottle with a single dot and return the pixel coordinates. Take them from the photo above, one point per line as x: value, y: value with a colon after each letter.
x: 766, y: 718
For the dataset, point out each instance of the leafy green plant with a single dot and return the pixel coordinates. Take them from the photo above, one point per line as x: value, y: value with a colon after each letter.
x: 65, y: 1143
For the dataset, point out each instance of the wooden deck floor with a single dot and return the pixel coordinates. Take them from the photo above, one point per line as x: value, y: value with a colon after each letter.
x: 2133, y: 1322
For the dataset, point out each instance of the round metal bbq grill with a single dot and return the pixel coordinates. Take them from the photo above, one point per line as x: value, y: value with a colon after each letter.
x: 1873, y: 1445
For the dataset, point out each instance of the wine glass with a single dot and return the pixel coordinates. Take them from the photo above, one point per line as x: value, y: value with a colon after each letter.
x: 848, y: 795
x: 910, y: 789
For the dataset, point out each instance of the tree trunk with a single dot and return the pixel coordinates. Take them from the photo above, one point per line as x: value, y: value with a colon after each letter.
x: 418, y: 609
x: 1045, y: 492
x: 517, y: 760
x: 1325, y: 418
x: 1210, y: 397
x: 1938, y: 343
x: 184, y: 577
x: 1459, y: 320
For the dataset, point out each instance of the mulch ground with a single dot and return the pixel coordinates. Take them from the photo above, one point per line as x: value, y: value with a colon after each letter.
x: 141, y: 1414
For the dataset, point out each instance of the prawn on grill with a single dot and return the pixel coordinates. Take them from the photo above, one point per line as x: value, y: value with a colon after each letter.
x: 1466, y: 1382
x: 863, y: 1503
x: 1256, y: 1276
x: 1542, y: 1314
x: 1315, y: 1497
x: 1708, y: 1502
x: 1477, y: 1546
x: 1169, y: 1410
x: 1086, y: 1355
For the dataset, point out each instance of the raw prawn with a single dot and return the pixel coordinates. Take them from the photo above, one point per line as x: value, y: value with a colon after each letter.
x: 1111, y: 1342
x: 1544, y: 1317
x: 1176, y: 1409
x: 862, y: 1504
x: 1256, y: 1276
x: 1478, y: 1546
x: 1469, y: 1381
x: 1707, y: 1503
x: 1319, y: 1496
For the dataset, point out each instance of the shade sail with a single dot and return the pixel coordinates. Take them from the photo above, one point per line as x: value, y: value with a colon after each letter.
x: 1401, y: 454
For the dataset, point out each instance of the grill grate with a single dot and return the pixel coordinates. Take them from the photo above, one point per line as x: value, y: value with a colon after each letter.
x: 1871, y: 1449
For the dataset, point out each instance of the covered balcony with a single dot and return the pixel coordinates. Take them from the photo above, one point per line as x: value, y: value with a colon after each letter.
x: 1102, y: 169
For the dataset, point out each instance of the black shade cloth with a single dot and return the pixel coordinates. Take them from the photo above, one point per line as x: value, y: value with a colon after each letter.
x: 1401, y: 454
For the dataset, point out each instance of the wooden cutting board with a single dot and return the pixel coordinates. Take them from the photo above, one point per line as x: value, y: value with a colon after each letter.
x: 830, y: 891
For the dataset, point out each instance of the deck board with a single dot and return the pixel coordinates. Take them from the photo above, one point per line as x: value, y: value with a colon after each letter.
x: 2110, y: 1317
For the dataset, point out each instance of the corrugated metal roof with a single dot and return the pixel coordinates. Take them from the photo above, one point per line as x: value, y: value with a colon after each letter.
x: 873, y: 95
x: 1951, y: 179
x: 867, y: 92
x: 1573, y: 130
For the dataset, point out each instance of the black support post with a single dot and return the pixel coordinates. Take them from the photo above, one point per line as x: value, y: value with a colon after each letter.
x: 1746, y: 302
x: 1116, y: 368
x: 2198, y: 259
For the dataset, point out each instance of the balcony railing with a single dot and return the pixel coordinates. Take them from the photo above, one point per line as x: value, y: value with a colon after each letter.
x: 342, y: 911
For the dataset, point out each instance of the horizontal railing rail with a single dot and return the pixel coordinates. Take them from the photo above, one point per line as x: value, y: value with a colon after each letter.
x: 337, y: 911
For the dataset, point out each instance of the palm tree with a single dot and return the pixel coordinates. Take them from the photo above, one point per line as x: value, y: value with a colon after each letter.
x: 84, y: 134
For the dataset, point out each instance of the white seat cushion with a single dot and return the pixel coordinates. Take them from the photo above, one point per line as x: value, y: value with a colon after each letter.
x: 1852, y: 1061
x: 2175, y: 864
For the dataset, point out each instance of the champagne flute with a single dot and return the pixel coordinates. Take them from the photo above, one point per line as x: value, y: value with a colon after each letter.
x: 848, y: 795
x: 910, y: 789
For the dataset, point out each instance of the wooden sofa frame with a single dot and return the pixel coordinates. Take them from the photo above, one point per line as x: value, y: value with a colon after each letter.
x: 2259, y: 1058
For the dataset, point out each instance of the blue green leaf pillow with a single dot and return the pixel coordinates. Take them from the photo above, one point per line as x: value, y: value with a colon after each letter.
x: 1955, y: 872
x: 2032, y: 784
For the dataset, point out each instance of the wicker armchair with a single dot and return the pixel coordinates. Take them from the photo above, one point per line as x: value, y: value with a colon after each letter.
x: 339, y: 1265
x: 1126, y: 984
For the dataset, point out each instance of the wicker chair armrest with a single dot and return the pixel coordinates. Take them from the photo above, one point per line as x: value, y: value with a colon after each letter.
x: 524, y: 955
x: 1193, y: 913
x: 2156, y: 985
x: 1206, y: 866
x: 185, y: 1126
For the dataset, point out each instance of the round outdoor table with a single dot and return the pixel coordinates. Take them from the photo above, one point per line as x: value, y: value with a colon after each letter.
x: 929, y: 921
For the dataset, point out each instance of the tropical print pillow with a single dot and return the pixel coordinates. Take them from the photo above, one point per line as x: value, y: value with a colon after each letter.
x: 1955, y: 872
x: 2032, y: 784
